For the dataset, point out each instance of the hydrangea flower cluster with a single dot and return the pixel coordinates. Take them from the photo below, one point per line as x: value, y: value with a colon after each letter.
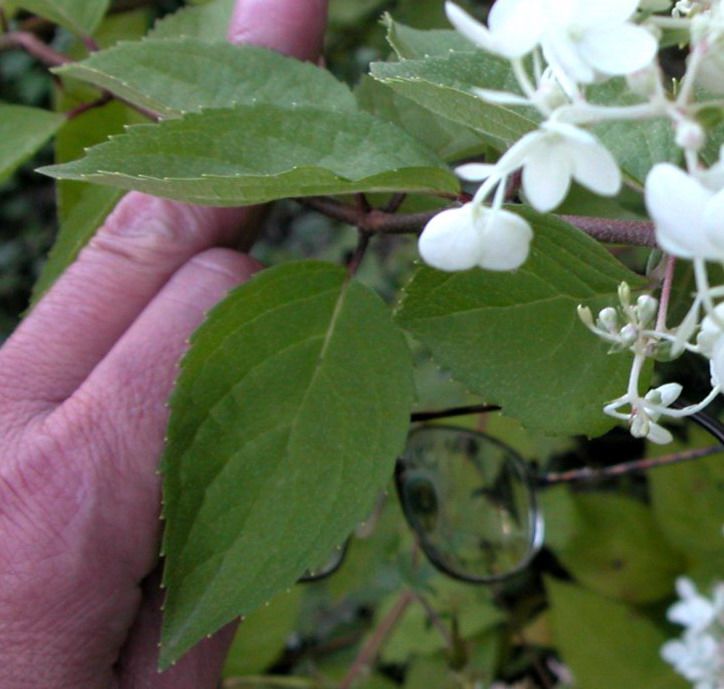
x: 699, y: 654
x: 558, y: 49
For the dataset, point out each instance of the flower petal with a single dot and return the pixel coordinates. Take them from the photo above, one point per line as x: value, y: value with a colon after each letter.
x: 597, y: 12
x: 595, y: 168
x: 506, y: 240
x: 500, y: 97
x: 474, y: 172
x: 658, y: 434
x: 547, y: 174
x: 471, y: 28
x: 618, y: 48
x: 561, y: 52
x: 717, y: 361
x: 451, y: 240
x: 675, y: 202
x: 713, y: 220
x: 517, y: 24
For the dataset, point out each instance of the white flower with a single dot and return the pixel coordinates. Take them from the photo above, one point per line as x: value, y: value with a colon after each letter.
x: 694, y: 610
x: 710, y: 331
x: 553, y: 155
x: 694, y: 657
x: 474, y: 235
x: 583, y: 38
x: 699, y: 654
x: 687, y: 213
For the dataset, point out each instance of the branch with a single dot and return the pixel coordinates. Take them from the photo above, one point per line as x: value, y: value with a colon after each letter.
x: 590, y: 473
x: 375, y: 221
x: 371, y: 648
x: 34, y: 46
x: 609, y: 231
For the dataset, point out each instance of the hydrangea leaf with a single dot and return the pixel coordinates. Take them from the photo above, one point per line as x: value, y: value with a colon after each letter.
x: 515, y: 337
x: 23, y: 130
x: 257, y: 153
x: 448, y: 139
x: 290, y: 410
x: 416, y: 44
x: 443, y: 86
x: 607, y: 644
x: 613, y: 546
x: 82, y: 17
x: 208, y: 22
x: 688, y: 501
x: 636, y: 145
x: 175, y: 76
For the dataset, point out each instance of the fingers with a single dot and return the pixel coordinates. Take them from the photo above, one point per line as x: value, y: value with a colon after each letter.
x: 293, y: 27
x: 198, y: 669
x: 141, y: 244
x: 123, y: 405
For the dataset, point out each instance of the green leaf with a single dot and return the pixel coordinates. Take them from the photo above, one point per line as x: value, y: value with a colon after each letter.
x: 607, y: 644
x: 636, y: 145
x: 443, y: 86
x: 257, y: 153
x: 688, y: 501
x: 208, y: 22
x: 260, y: 639
x: 82, y: 17
x: 172, y: 77
x: 449, y: 140
x: 23, y: 131
x: 515, y: 338
x: 289, y: 412
x: 416, y: 44
x: 616, y: 549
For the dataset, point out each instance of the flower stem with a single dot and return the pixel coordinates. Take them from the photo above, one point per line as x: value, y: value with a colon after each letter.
x: 666, y: 293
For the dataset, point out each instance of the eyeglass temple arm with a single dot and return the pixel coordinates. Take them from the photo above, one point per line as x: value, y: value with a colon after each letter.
x: 708, y: 423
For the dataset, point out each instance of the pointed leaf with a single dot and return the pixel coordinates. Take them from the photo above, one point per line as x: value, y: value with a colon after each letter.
x: 208, y: 22
x: 615, y: 548
x: 172, y: 77
x: 252, y: 154
x: 515, y: 338
x: 416, y: 44
x: 444, y: 85
x: 82, y: 17
x: 290, y: 410
x: 448, y: 139
x: 23, y: 131
x: 607, y: 644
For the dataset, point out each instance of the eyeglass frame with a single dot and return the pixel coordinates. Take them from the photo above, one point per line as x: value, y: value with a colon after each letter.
x: 535, y: 480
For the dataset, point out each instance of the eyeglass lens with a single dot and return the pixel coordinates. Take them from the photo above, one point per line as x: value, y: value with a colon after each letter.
x: 470, y: 501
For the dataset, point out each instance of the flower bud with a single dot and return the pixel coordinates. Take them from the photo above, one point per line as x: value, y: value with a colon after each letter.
x: 608, y: 318
x: 639, y: 424
x: 624, y: 294
x: 644, y: 82
x: 584, y: 313
x: 646, y: 307
x: 629, y: 334
x: 690, y: 135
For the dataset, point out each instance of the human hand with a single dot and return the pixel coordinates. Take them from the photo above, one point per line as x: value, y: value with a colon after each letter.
x: 83, y: 386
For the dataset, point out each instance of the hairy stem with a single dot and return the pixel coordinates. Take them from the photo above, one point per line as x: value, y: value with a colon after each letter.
x: 376, y: 221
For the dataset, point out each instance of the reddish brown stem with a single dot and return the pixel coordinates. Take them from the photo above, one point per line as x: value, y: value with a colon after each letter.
x: 31, y: 44
x: 631, y: 232
x: 591, y: 473
x: 372, y: 646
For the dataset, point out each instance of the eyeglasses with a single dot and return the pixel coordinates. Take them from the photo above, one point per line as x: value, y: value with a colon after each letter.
x: 471, y: 499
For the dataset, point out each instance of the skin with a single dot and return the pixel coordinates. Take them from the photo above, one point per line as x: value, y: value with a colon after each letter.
x: 83, y: 386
